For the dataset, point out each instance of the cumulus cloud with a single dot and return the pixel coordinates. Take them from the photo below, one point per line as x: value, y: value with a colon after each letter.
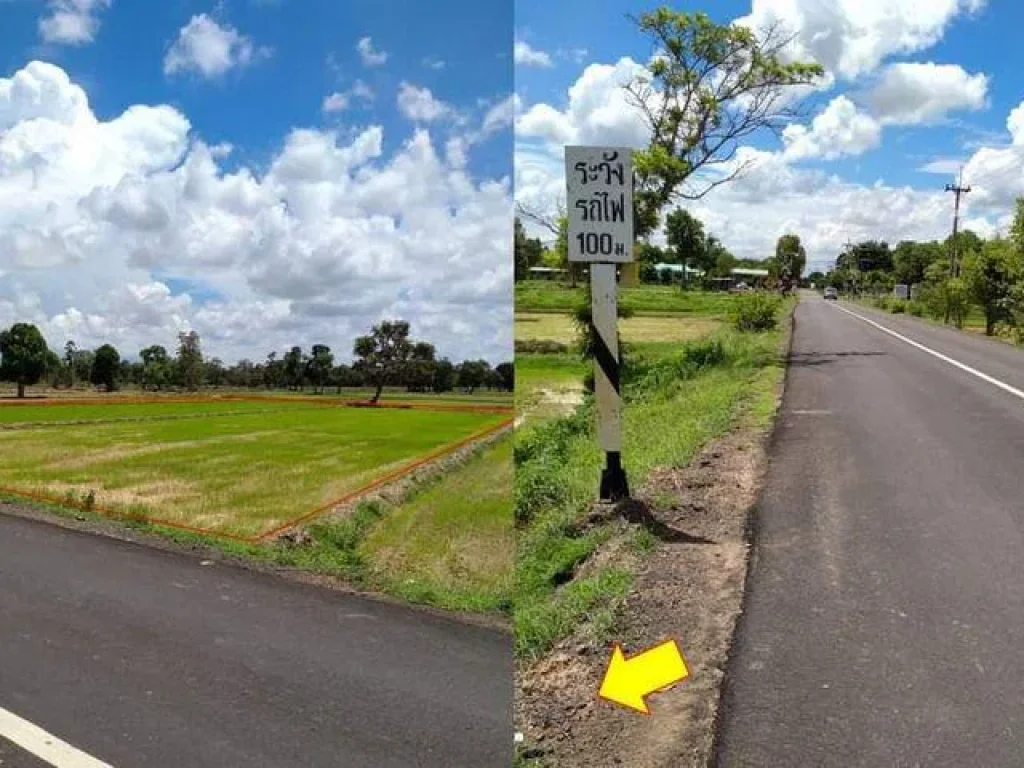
x: 526, y: 56
x: 851, y: 38
x: 840, y: 129
x: 598, y: 110
x: 419, y: 104
x: 209, y: 49
x: 370, y: 56
x: 72, y: 22
x: 910, y: 93
x: 101, y: 219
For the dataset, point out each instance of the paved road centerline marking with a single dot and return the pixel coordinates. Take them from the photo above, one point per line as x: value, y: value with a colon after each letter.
x: 945, y: 358
x: 43, y: 745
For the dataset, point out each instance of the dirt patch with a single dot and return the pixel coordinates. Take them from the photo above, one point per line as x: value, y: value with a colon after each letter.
x: 689, y: 589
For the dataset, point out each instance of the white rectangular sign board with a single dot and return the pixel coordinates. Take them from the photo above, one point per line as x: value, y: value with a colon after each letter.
x: 599, y: 183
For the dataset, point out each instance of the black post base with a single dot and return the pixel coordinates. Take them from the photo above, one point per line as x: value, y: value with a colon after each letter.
x: 614, y: 485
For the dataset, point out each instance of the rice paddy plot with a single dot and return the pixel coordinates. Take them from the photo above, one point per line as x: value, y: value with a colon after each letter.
x: 235, y: 468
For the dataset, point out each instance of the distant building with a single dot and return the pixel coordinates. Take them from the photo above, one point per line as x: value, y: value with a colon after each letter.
x: 679, y: 269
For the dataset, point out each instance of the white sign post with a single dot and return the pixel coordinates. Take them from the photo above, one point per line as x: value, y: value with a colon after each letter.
x: 599, y: 183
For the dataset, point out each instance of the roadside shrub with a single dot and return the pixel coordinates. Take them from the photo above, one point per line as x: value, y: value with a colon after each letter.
x: 881, y: 302
x: 540, y: 347
x: 898, y: 307
x: 915, y: 308
x: 756, y: 312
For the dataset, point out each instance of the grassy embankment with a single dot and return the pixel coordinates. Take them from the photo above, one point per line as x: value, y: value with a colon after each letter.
x: 679, y: 395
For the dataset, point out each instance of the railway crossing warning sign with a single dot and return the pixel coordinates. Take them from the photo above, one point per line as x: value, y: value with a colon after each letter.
x: 599, y: 187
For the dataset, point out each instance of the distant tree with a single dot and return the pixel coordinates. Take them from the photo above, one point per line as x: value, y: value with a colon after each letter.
x: 444, y: 376
x: 156, y: 368
x: 817, y: 277
x: 54, y: 368
x: 419, y: 372
x: 23, y: 355
x: 82, y: 365
x: 383, y: 354
x: 528, y: 251
x: 506, y: 376
x: 214, y: 372
x: 472, y: 374
x: 190, y: 361
x: 106, y: 368
x: 650, y: 254
x: 790, y: 258
x: 685, y: 235
x: 910, y: 260
x: 69, y: 359
x: 294, y: 369
x: 319, y: 367
x: 709, y: 88
x: 274, y: 372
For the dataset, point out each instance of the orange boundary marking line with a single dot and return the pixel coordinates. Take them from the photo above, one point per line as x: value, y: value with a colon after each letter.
x: 261, y: 537
x: 388, y: 478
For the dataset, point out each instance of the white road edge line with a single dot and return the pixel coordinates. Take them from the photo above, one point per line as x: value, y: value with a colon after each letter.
x: 43, y: 745
x: 955, y: 363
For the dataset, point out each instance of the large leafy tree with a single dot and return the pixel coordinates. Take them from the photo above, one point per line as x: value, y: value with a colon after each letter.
x: 23, y: 355
x: 685, y: 235
x: 319, y: 366
x: 990, y: 275
x: 910, y: 260
x: 790, y: 257
x: 106, y: 368
x: 156, y: 367
x: 709, y: 88
x: 384, y: 353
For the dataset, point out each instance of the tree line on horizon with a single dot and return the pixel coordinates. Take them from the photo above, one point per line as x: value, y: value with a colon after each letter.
x: 687, y: 243
x: 387, y: 356
x: 952, y: 276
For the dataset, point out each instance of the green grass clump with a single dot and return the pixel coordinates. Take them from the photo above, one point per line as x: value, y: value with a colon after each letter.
x: 757, y: 312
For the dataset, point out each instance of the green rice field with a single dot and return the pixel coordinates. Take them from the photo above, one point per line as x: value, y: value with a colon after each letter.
x: 240, y: 468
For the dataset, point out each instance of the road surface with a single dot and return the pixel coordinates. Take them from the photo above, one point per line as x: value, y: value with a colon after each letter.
x: 884, y: 622
x: 138, y: 657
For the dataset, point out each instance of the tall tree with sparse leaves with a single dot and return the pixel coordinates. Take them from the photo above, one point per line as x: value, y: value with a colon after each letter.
x: 382, y: 354
x: 709, y: 88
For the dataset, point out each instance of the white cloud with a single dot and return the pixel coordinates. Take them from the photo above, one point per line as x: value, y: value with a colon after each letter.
x: 371, y: 57
x: 598, y: 111
x: 420, y: 104
x: 943, y: 166
x: 209, y: 49
x: 910, y: 93
x: 72, y: 22
x: 1015, y: 124
x: 501, y: 115
x: 336, y: 102
x: 851, y: 38
x: 840, y: 129
x: 432, y: 63
x: 529, y: 57
x: 99, y: 219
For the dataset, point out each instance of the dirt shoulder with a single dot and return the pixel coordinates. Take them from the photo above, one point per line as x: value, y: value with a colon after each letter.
x: 689, y: 588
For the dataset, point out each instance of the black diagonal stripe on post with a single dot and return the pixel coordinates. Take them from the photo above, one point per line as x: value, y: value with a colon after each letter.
x: 604, y: 357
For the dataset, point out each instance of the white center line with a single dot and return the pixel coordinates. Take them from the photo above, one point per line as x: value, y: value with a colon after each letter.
x: 43, y: 745
x: 945, y: 358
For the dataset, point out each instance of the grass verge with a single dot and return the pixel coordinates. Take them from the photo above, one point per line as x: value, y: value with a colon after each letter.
x: 678, y: 397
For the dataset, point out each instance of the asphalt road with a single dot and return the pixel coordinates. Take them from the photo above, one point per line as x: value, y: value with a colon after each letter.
x: 884, y: 622
x: 139, y: 657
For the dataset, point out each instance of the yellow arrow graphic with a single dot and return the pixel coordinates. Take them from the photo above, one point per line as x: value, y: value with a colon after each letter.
x: 627, y: 681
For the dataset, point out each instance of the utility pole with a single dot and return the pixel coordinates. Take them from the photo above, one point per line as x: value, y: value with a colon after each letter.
x: 958, y: 190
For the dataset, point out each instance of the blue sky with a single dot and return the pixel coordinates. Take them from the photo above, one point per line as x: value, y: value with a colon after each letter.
x: 957, y: 60
x: 381, y: 129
